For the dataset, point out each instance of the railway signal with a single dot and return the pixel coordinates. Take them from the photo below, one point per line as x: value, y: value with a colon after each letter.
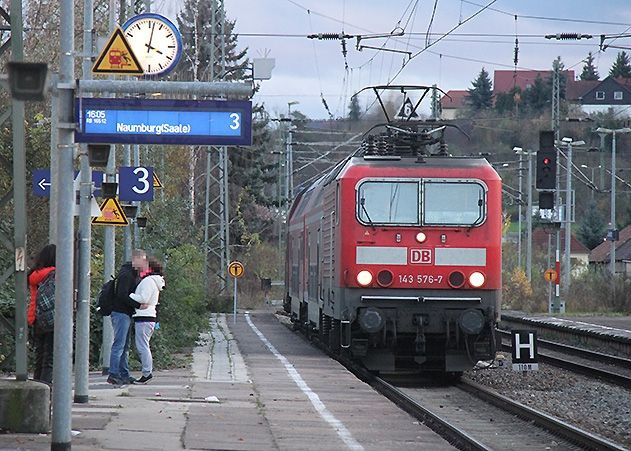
x: 546, y: 162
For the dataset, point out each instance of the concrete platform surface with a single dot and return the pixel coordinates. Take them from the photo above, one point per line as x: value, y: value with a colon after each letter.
x: 253, y: 385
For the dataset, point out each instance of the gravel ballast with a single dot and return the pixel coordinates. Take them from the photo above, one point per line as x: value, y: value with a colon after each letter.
x: 589, y: 404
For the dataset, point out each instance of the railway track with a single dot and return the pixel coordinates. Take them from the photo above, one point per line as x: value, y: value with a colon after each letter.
x: 612, y: 369
x: 473, y: 417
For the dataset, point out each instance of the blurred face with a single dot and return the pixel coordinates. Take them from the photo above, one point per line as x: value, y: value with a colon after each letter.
x: 139, y: 262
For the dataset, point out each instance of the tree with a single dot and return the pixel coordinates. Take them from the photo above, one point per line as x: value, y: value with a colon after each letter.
x: 591, y: 230
x: 354, y: 110
x: 589, y: 70
x: 198, y: 39
x: 621, y: 66
x: 481, y: 95
x: 505, y: 101
x: 537, y: 96
x: 563, y: 75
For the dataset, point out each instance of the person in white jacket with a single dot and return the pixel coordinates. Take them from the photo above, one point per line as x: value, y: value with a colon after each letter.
x: 147, y: 294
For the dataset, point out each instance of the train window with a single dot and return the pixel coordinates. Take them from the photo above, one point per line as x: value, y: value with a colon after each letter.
x: 388, y: 202
x: 453, y: 203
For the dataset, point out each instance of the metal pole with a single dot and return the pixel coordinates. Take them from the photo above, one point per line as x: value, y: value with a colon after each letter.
x: 109, y: 237
x: 602, y: 161
x: 521, y: 175
x: 207, y: 222
x: 82, y: 333
x: 54, y: 163
x: 567, y: 265
x: 234, y: 303
x: 550, y: 303
x: 613, y: 202
x: 19, y: 202
x: 136, y: 241
x: 62, y: 360
x: 529, y: 220
x: 290, y: 169
x: 127, y: 230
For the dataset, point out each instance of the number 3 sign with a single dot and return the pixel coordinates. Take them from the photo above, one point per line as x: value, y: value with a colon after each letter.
x: 135, y: 183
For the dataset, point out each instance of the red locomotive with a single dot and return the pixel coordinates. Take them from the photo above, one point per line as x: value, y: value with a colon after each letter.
x: 395, y: 254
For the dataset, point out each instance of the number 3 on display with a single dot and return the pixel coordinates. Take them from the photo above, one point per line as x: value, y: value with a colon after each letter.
x: 142, y: 179
x: 235, y: 121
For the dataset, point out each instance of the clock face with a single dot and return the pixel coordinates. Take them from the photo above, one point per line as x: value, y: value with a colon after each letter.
x: 155, y: 41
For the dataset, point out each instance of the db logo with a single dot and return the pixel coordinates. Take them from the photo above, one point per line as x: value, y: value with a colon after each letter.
x: 421, y: 256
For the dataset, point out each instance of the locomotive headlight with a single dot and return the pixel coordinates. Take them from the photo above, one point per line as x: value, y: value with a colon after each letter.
x: 476, y: 279
x: 421, y: 237
x: 364, y: 278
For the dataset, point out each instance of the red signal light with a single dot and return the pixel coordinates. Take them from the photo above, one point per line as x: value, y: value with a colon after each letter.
x: 546, y: 161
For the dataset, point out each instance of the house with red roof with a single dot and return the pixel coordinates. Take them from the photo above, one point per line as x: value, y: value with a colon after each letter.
x: 454, y: 101
x: 601, y: 254
x: 505, y: 80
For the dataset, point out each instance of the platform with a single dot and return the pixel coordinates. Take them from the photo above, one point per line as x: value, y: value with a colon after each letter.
x: 253, y: 385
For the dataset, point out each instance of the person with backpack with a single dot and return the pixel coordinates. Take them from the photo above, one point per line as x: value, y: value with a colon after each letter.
x: 41, y: 311
x: 122, y: 310
x: 147, y: 293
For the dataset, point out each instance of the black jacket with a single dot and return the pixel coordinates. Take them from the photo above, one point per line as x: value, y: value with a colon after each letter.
x: 127, y: 282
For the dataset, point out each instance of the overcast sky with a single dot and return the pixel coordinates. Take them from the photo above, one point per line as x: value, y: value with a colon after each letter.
x: 308, y: 70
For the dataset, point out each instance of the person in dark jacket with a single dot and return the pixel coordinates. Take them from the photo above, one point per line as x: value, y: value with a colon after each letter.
x: 122, y: 310
x: 43, y: 268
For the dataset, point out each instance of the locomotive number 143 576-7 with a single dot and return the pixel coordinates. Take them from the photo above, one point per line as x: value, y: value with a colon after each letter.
x: 420, y: 278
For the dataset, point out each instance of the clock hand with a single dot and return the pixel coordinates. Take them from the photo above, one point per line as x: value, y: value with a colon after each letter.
x: 150, y: 47
x: 150, y: 38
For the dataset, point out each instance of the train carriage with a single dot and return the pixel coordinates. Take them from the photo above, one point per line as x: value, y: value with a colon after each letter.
x: 395, y: 254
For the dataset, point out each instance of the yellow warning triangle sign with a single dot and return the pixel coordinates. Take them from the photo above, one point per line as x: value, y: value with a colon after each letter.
x: 117, y: 57
x: 111, y: 214
x: 156, y: 181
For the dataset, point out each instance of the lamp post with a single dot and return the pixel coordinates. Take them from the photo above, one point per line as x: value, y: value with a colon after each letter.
x: 592, y: 180
x: 290, y: 157
x: 605, y: 131
x: 567, y: 267
x: 520, y: 152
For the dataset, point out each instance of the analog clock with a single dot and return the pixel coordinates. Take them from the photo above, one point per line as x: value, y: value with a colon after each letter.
x: 155, y: 41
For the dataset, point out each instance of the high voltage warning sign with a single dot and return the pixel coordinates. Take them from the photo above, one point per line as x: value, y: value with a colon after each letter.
x: 111, y: 214
x: 117, y: 57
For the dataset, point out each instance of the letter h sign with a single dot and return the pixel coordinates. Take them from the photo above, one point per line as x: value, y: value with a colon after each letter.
x: 524, y: 344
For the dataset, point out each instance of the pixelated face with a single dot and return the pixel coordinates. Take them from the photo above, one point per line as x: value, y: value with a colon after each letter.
x: 139, y: 262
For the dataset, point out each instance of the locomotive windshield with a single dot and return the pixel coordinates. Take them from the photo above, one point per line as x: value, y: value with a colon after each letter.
x: 385, y: 202
x: 447, y: 203
x: 397, y: 202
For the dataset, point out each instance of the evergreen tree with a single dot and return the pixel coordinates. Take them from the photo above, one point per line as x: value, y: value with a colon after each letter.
x: 537, y: 96
x: 505, y: 101
x: 481, y: 95
x: 589, y: 70
x: 621, y: 67
x: 563, y: 74
x: 591, y: 230
x: 198, y: 39
x: 354, y: 110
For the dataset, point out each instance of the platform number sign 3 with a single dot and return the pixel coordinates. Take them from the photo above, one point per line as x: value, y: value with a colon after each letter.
x: 135, y: 183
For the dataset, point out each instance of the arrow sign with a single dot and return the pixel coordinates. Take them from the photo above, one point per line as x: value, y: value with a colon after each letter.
x: 42, y: 182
